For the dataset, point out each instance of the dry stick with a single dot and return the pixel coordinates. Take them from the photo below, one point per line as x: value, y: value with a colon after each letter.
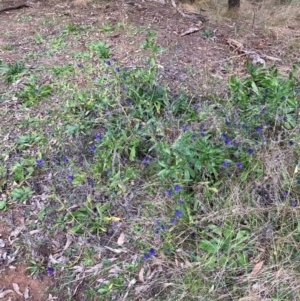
x: 14, y: 7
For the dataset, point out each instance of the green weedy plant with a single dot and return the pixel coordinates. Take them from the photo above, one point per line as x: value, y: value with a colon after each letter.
x: 31, y: 94
x: 35, y: 267
x: 265, y: 95
x: 225, y: 246
x: 90, y: 217
x: 67, y: 68
x: 101, y: 48
x: 12, y: 71
x: 21, y: 193
x: 23, y: 170
x: 132, y: 98
x: 71, y: 28
x: 106, y: 27
x: 181, y: 107
x: 27, y: 140
x: 189, y: 158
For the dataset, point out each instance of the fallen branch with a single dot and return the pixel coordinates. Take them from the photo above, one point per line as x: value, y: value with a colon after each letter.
x: 14, y: 7
x: 256, y: 58
x: 190, y: 30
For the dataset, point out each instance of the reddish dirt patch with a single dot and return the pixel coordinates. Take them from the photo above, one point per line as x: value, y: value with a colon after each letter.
x: 37, y: 288
x: 16, y: 273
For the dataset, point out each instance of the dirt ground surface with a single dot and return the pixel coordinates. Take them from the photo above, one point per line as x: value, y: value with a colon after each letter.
x: 200, y: 61
x: 15, y: 282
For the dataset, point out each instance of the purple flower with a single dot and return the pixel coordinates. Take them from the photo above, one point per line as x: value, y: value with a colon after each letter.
x: 177, y: 188
x: 40, y: 161
x: 162, y: 227
x: 194, y: 136
x: 173, y: 220
x: 224, y: 136
x: 152, y: 252
x: 169, y: 191
x: 79, y: 65
x: 92, y: 148
x: 98, y: 137
x: 225, y: 163
x: 235, y: 143
x: 239, y: 164
x: 107, y: 63
x: 283, y: 98
x: 258, y: 129
x: 285, y: 194
x: 185, y: 127
x: 115, y: 223
x: 293, y: 203
x: 291, y: 142
x: 250, y: 151
x: 117, y: 69
x: 196, y: 106
x: 123, y: 87
x: 280, y: 118
x: 178, y: 212
x: 298, y: 181
x: 227, y: 141
x: 70, y: 178
x: 180, y: 202
x: 50, y: 271
x: 65, y: 159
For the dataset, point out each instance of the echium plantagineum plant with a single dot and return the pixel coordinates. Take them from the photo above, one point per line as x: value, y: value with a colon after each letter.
x: 264, y: 95
x: 191, y: 156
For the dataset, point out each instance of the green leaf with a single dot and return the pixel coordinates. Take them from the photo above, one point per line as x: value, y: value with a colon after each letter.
x: 215, y: 229
x: 210, y: 262
x: 242, y: 235
x: 298, y: 226
x: 186, y: 174
x: 244, y: 176
x: 207, y: 246
x: 254, y: 87
x: 78, y: 178
x: 75, y: 229
x: 258, y: 171
x: 242, y: 258
x: 2, y: 205
x: 222, y: 260
x: 132, y: 154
